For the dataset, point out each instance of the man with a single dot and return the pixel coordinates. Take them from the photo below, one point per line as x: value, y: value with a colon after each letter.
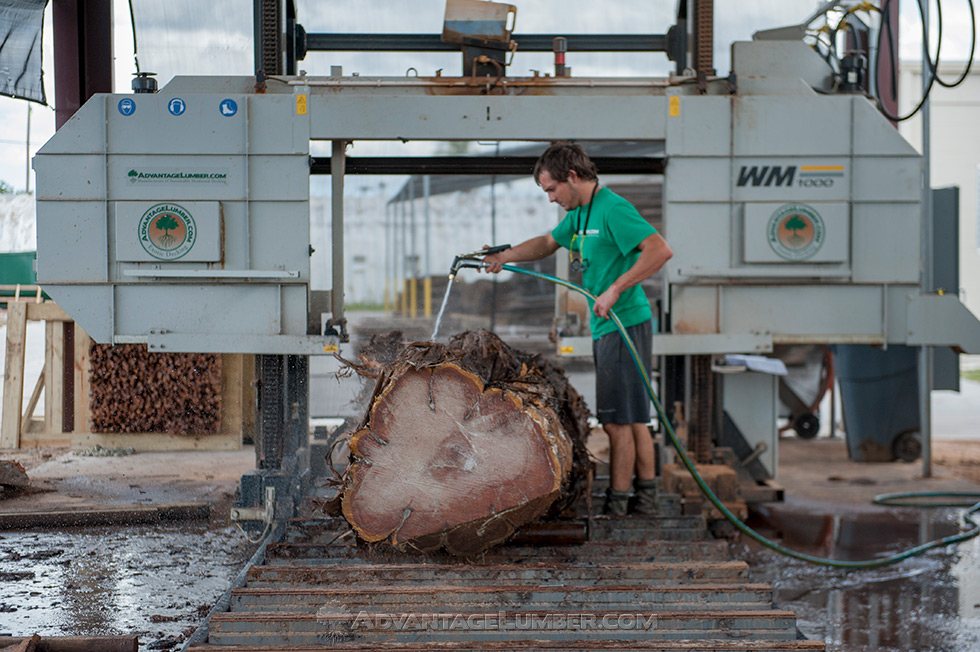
x: 616, y: 249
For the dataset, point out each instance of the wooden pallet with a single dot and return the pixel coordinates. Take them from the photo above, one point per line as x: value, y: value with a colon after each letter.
x: 64, y: 381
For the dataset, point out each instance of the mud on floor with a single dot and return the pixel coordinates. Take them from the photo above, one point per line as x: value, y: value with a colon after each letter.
x: 155, y: 582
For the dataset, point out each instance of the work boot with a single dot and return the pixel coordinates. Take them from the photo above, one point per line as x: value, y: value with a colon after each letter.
x: 646, y: 501
x: 617, y: 503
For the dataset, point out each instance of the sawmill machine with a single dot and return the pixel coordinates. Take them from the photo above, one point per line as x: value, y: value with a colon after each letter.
x: 793, y: 207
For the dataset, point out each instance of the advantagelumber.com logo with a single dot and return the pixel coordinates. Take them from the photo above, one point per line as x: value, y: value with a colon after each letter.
x: 167, y: 231
x: 160, y: 175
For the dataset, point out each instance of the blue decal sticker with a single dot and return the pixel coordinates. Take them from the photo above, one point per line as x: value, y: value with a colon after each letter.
x: 127, y: 106
x: 177, y: 106
x: 228, y: 107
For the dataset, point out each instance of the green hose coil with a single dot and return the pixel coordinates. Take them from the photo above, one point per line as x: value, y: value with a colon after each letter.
x: 897, y: 500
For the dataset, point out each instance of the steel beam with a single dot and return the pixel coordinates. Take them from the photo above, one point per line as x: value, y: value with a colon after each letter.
x: 363, y: 114
x: 478, y: 165
x: 321, y: 42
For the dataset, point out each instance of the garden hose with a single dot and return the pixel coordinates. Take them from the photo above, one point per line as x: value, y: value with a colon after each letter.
x: 885, y: 499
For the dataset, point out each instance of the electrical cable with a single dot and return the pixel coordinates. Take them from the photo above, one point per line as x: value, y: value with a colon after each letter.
x: 886, y: 28
x: 706, y: 490
x: 932, y: 63
x: 249, y: 538
x: 969, y: 59
x: 885, y: 20
x: 132, y: 21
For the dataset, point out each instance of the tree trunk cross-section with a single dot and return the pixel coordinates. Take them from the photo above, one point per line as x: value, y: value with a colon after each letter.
x: 463, y: 444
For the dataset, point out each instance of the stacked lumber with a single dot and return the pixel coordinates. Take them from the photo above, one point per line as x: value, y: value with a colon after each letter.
x: 463, y: 444
x: 135, y: 391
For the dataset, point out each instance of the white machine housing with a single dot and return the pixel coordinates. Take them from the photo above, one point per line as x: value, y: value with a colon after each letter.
x: 741, y: 160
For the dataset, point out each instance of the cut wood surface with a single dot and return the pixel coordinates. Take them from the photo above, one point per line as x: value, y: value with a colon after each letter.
x: 462, y: 444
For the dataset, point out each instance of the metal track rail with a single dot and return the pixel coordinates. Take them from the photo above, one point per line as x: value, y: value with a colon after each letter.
x: 650, y: 583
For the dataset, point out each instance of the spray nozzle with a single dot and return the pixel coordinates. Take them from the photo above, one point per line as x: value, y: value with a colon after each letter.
x: 474, y: 259
x: 461, y: 262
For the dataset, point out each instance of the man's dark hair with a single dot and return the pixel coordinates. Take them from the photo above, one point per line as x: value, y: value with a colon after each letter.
x: 562, y: 157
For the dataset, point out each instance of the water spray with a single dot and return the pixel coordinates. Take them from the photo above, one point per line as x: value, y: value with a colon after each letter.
x: 472, y: 260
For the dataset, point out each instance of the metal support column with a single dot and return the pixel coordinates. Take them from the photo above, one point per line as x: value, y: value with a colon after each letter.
x: 337, y: 237
x: 388, y: 257
x: 427, y: 283
x: 82, y: 53
x: 413, y: 299
x: 403, y: 256
x: 925, y: 353
x: 270, y: 406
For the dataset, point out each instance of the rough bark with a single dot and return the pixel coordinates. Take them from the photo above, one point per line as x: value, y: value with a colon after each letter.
x: 463, y: 443
x: 13, y: 474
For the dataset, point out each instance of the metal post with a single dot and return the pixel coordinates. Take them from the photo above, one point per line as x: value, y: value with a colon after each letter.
x: 925, y: 352
x: 27, y: 164
x: 688, y: 379
x: 427, y: 283
x: 388, y: 250
x: 337, y: 165
x: 493, y: 242
x: 414, y: 259
x: 833, y: 407
x: 404, y: 257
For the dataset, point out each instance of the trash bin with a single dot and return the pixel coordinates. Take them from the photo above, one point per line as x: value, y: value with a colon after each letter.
x: 879, y: 391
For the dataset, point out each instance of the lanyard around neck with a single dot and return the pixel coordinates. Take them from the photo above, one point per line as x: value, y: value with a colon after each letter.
x: 588, y: 213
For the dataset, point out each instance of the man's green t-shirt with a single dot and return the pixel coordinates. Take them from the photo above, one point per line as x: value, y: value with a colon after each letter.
x: 609, y: 246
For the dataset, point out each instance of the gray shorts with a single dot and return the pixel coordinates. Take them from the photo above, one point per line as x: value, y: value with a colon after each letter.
x: 621, y: 396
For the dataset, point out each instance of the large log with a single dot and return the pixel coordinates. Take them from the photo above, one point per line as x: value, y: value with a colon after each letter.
x: 463, y: 443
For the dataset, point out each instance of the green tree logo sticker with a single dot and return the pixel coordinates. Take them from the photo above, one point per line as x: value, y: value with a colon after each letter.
x: 167, y: 223
x: 795, y: 223
x: 167, y: 231
x: 796, y: 232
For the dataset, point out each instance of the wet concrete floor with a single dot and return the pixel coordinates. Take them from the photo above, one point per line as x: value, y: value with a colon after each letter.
x: 156, y: 582
x: 929, y: 602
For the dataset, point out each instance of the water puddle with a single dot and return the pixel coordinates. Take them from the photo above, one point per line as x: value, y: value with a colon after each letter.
x: 155, y: 582
x: 930, y: 602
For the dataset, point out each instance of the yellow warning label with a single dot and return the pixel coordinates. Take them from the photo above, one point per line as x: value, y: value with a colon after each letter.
x: 566, y: 350
x: 301, y: 105
x: 330, y: 348
x: 675, y: 106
